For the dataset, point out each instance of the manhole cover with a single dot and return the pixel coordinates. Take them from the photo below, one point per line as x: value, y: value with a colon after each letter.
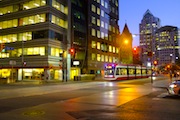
x: 34, y: 113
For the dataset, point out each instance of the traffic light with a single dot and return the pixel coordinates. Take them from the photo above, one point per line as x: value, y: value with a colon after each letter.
x: 2, y: 46
x: 155, y: 62
x: 135, y: 50
x: 72, y: 51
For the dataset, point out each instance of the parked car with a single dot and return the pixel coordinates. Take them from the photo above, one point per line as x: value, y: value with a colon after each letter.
x: 174, y: 88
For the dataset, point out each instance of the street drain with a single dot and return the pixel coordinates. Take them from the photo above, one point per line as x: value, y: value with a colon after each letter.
x: 34, y: 113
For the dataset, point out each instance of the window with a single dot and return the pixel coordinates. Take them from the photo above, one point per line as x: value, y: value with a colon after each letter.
x: 98, y: 57
x: 98, y: 45
x: 93, y: 56
x: 98, y: 11
x: 93, y: 20
x: 93, y: 32
x: 93, y: 8
x: 93, y: 44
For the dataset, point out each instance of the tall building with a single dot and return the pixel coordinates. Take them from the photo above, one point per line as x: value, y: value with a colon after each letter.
x: 103, y: 33
x: 149, y: 24
x: 167, y: 45
x: 38, y: 35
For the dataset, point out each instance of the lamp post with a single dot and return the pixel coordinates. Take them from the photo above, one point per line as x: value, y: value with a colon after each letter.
x: 124, y: 43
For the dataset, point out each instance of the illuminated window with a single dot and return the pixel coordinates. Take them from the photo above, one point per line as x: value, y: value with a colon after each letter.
x: 98, y: 45
x: 102, y: 24
x: 93, y: 32
x: 102, y: 13
x: 98, y: 57
x: 98, y: 22
x: 114, y: 49
x: 59, y: 6
x: 58, y: 21
x: 102, y: 58
x: 98, y: 11
x: 102, y: 35
x: 93, y: 20
x: 93, y: 8
x: 102, y: 2
x: 93, y: 56
x: 93, y: 44
x: 110, y: 48
x: 98, y: 34
x: 110, y: 59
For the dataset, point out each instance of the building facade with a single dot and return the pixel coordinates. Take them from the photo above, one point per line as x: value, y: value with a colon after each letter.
x: 167, y: 43
x: 103, y: 34
x: 41, y: 32
x: 147, y: 28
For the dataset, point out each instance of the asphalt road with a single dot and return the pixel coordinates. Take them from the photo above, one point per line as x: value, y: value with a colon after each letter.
x: 94, y: 100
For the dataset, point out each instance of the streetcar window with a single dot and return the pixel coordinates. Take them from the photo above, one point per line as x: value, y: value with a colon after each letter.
x: 144, y: 71
x: 109, y: 72
x: 138, y: 71
x: 123, y: 71
x: 131, y: 71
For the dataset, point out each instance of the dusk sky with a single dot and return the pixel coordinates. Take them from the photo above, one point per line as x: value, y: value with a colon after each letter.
x: 132, y: 11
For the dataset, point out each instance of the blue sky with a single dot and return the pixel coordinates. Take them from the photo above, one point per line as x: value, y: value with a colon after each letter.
x: 132, y: 11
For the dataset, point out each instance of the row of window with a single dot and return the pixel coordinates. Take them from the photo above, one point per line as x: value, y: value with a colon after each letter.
x: 58, y: 21
x: 32, y: 4
x: 32, y: 20
x: 103, y: 24
x: 103, y: 35
x: 27, y: 5
x: 23, y: 21
x: 31, y: 36
x: 26, y: 51
x: 30, y: 51
x: 103, y: 58
x: 105, y: 4
x: 104, y: 47
x: 16, y: 37
x: 59, y: 7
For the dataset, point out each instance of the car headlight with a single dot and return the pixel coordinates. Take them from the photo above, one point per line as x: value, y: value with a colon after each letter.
x: 173, y: 86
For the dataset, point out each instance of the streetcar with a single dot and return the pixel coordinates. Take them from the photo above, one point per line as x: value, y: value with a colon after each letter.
x: 125, y: 72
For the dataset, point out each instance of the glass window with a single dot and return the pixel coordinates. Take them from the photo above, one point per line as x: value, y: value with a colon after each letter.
x: 102, y: 58
x: 93, y: 20
x: 98, y: 11
x: 93, y: 32
x: 102, y: 24
x: 93, y: 56
x: 93, y: 8
x: 93, y: 44
x: 98, y: 45
x: 98, y: 57
x: 102, y: 13
x: 98, y: 34
x: 98, y: 22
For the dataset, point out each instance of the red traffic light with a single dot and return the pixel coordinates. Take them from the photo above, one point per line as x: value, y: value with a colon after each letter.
x: 134, y: 48
x: 72, y: 51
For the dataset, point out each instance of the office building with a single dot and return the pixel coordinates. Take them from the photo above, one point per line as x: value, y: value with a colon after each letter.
x: 167, y: 45
x: 38, y: 35
x: 147, y: 28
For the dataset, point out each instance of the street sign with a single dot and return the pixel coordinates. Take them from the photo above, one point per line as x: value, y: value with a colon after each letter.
x: 9, y: 48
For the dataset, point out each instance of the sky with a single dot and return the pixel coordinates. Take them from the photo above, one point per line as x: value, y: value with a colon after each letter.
x: 132, y: 11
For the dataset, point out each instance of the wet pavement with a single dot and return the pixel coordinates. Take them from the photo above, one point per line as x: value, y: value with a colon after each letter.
x: 95, y: 100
